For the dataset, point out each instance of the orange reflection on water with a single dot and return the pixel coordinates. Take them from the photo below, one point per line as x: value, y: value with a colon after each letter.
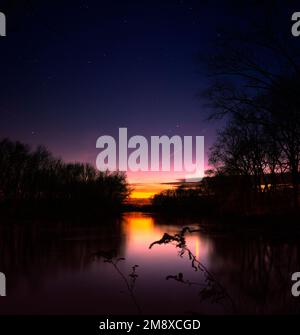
x: 197, y: 246
x: 139, y: 223
x: 141, y: 230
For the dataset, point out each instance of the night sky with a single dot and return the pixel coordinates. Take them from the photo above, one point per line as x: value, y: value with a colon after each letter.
x: 73, y: 71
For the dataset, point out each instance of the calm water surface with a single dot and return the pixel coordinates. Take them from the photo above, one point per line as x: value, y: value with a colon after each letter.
x: 55, y: 269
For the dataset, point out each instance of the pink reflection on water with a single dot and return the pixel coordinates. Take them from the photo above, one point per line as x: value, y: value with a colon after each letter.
x: 142, y: 229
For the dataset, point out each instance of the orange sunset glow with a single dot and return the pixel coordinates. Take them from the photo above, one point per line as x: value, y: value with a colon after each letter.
x: 146, y: 184
x: 147, y: 190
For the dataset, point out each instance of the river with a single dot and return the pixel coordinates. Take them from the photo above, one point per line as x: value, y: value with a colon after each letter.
x: 81, y: 268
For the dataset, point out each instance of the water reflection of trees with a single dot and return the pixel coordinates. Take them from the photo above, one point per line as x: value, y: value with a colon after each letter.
x: 257, y: 271
x: 252, y: 273
x: 36, y: 251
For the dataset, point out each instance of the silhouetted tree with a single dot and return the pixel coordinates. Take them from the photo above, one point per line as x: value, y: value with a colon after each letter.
x: 36, y: 176
x: 257, y: 73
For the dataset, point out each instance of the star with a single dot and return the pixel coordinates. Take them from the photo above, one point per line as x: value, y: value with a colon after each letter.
x: 84, y: 6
